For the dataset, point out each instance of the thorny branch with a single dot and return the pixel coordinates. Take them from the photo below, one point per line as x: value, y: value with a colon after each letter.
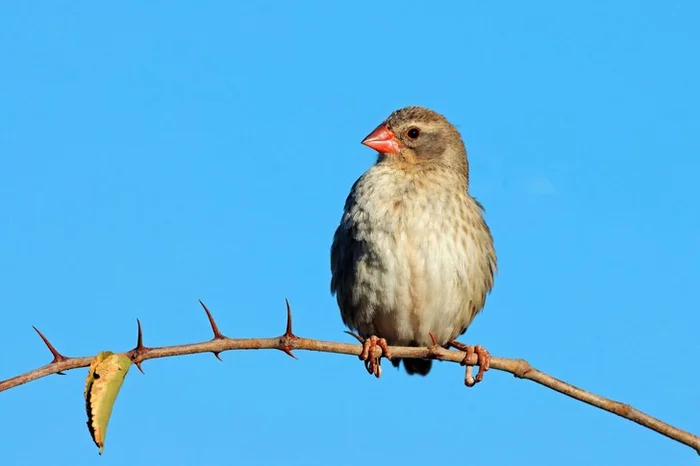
x: 287, y: 342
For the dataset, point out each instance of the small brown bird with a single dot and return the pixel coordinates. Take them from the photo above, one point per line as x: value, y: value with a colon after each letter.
x: 413, y: 258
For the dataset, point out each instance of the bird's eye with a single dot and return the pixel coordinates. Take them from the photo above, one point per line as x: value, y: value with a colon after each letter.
x: 413, y: 133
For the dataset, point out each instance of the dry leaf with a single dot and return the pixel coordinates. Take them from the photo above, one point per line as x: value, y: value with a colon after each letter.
x: 105, y: 377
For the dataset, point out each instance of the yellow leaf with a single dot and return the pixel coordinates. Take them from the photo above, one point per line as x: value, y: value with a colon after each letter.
x: 105, y: 377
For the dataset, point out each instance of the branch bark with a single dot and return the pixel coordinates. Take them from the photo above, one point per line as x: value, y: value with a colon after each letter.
x: 288, y: 342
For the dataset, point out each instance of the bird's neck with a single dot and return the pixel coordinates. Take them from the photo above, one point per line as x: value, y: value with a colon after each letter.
x: 433, y: 173
x: 454, y: 168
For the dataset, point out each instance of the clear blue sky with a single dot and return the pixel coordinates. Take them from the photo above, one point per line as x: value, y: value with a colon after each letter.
x: 153, y: 155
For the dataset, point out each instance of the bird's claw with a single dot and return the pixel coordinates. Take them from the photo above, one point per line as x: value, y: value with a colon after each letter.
x: 483, y: 360
x: 369, y: 356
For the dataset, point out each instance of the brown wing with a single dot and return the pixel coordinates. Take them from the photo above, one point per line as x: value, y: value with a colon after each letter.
x: 345, y: 252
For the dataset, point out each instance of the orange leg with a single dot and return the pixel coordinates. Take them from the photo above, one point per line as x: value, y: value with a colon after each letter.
x: 368, y: 355
x: 483, y: 360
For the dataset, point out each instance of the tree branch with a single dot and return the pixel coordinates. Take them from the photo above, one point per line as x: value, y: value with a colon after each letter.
x: 288, y: 342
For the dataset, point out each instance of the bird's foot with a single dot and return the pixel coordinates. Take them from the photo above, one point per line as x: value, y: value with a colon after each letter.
x: 370, y: 357
x: 483, y: 360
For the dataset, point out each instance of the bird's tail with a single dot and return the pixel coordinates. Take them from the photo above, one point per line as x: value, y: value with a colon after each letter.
x: 414, y: 366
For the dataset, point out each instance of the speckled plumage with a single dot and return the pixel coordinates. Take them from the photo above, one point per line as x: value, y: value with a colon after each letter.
x: 412, y: 254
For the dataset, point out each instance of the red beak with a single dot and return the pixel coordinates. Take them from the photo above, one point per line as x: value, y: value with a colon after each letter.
x: 382, y: 139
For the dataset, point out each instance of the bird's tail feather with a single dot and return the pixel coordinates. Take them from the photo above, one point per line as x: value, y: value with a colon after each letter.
x: 414, y: 366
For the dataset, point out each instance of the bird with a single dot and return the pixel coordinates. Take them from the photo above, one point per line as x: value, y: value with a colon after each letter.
x: 413, y: 260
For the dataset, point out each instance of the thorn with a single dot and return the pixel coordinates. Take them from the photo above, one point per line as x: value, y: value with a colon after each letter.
x: 288, y: 350
x: 140, y: 349
x: 288, y: 334
x: 139, y: 337
x: 432, y: 337
x: 217, y: 334
x: 436, y: 348
x: 356, y: 336
x: 57, y: 357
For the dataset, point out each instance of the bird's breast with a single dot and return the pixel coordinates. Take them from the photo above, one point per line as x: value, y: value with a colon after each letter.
x: 416, y: 256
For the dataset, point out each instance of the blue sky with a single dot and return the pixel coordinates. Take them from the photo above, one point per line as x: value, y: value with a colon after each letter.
x: 156, y: 154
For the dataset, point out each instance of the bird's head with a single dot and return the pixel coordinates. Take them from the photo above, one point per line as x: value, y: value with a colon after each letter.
x: 419, y: 136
